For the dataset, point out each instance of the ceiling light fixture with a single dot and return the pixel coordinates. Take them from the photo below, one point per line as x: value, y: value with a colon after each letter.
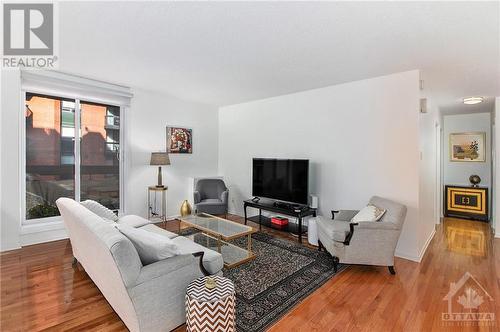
x: 473, y: 100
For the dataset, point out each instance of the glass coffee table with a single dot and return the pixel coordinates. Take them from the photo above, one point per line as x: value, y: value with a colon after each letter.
x: 215, y: 234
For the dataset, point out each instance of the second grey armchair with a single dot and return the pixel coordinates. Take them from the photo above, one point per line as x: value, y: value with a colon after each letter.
x: 211, y: 196
x: 366, y: 242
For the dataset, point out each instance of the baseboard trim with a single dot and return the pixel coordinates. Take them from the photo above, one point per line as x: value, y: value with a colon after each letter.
x: 42, y: 237
x: 177, y: 216
x: 497, y: 235
x: 426, y: 245
x: 409, y: 257
x: 9, y: 247
x: 417, y: 258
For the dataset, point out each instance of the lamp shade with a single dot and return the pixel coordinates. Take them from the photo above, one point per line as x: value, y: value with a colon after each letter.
x: 159, y: 159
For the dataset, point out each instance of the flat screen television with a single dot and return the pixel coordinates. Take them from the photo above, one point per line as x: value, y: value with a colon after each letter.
x: 281, y: 179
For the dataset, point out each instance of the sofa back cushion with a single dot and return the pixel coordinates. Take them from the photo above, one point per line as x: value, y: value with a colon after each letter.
x: 151, y: 247
x: 100, y: 210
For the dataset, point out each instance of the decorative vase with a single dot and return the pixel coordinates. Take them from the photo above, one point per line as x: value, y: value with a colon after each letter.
x: 475, y: 180
x: 185, y: 208
x: 210, y: 283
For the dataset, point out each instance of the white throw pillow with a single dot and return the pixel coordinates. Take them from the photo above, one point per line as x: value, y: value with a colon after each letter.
x: 150, y: 246
x: 100, y: 210
x: 368, y: 213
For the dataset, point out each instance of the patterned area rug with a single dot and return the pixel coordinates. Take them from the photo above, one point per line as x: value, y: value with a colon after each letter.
x: 282, y: 275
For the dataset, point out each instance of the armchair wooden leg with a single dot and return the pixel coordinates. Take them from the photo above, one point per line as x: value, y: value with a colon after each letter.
x: 391, y: 270
x: 320, y: 245
x: 335, y: 263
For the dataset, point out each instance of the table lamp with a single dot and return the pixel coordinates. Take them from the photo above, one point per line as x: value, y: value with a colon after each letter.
x: 159, y: 159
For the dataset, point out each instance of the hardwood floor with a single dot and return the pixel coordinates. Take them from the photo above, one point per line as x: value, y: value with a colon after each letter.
x: 40, y: 290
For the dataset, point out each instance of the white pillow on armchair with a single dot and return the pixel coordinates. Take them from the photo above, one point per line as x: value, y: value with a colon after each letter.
x: 369, y: 213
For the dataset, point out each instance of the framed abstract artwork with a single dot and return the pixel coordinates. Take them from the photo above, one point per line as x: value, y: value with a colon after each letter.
x: 468, y: 147
x: 179, y: 140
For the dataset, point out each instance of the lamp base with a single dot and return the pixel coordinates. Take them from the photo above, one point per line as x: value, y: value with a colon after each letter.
x: 160, y: 184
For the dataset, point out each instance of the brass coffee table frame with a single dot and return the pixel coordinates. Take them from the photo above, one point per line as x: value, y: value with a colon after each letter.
x: 222, y: 239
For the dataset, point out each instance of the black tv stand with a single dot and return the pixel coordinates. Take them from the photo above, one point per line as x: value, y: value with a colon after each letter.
x: 288, y: 206
x: 288, y: 209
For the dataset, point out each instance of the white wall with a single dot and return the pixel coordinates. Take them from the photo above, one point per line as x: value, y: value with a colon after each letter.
x: 458, y: 172
x: 150, y: 114
x: 429, y: 181
x: 496, y: 197
x: 10, y: 208
x: 145, y: 132
x: 362, y: 139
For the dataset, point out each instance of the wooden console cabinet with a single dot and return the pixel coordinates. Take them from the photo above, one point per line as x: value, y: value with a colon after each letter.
x: 466, y: 202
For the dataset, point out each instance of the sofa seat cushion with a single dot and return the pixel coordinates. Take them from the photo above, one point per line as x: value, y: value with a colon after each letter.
x: 158, y: 230
x: 133, y: 221
x: 211, y: 201
x: 212, y: 260
x: 336, y: 230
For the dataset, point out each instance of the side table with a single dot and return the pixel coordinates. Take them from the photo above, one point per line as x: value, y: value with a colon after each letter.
x: 209, y: 310
x: 157, y: 203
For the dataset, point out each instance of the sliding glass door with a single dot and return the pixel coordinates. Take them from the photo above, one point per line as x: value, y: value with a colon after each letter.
x: 100, y: 154
x: 56, y: 166
x: 50, y: 161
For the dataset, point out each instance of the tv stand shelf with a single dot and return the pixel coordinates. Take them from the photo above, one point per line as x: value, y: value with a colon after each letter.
x: 297, y: 228
x: 266, y: 221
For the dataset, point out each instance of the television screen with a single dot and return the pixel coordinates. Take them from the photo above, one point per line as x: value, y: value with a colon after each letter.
x: 281, y: 179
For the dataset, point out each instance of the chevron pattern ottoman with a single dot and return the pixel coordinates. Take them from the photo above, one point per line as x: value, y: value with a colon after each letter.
x: 210, y: 310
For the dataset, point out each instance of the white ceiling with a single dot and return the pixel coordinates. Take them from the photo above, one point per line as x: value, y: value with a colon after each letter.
x: 226, y: 53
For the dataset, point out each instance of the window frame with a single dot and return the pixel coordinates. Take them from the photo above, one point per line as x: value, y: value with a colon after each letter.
x: 22, y: 150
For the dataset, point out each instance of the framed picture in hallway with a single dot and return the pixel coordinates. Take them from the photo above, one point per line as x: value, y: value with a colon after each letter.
x: 468, y: 147
x: 179, y: 140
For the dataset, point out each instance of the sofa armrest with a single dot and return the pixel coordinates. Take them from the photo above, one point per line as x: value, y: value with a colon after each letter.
x: 345, y: 215
x: 378, y: 225
x: 168, y: 265
x: 224, y: 196
x: 349, y: 235
x: 196, y: 197
x: 369, y: 225
x: 200, y: 255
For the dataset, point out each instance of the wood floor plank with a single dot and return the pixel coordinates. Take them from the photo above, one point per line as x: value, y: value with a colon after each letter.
x: 41, y: 290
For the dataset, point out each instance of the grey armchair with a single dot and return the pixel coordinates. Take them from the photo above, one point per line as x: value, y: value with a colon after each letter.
x: 366, y: 242
x: 211, y: 196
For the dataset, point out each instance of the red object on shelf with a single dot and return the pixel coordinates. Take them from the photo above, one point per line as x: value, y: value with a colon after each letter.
x: 279, y: 221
